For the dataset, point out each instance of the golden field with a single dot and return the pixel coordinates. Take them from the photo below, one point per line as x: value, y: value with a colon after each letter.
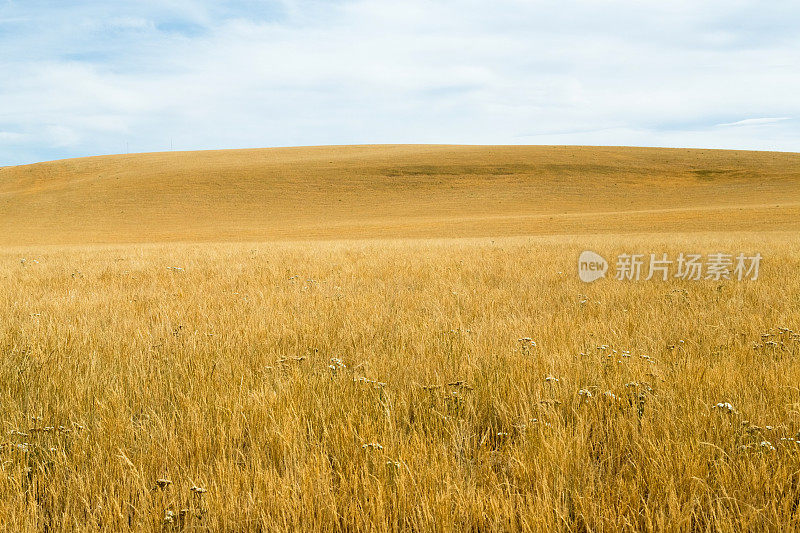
x: 337, y: 348
x: 349, y: 192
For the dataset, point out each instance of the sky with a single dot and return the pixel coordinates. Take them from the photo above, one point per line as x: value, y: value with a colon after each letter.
x: 80, y: 78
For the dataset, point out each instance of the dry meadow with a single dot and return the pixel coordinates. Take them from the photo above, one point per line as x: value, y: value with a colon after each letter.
x: 436, y: 376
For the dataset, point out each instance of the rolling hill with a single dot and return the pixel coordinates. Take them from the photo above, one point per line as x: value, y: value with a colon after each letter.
x: 347, y: 192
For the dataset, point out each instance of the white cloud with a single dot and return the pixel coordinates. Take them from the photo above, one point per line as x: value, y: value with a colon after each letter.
x: 310, y: 72
x: 61, y: 136
x: 755, y: 121
x: 10, y: 136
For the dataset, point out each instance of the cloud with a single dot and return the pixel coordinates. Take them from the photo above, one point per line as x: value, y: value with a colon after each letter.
x: 755, y: 121
x: 200, y: 74
x: 10, y: 136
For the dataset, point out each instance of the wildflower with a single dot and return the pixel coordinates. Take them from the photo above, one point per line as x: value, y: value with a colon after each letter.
x: 163, y: 483
x: 725, y: 407
x: 169, y: 517
x: 371, y: 446
x: 551, y: 379
x: 766, y: 445
x: 336, y: 364
x: 376, y: 384
x: 198, y: 490
x: 586, y: 393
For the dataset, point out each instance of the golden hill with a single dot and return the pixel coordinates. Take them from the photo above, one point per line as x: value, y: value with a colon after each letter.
x: 396, y: 191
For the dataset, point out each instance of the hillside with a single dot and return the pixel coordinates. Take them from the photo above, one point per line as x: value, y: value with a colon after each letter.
x: 396, y: 191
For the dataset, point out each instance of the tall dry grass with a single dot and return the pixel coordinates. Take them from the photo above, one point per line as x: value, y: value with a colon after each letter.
x: 383, y: 386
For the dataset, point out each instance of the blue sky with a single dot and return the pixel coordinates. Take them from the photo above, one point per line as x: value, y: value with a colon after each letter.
x: 84, y: 78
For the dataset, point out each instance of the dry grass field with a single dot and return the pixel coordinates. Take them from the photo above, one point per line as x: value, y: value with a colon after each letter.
x: 396, y: 191
x: 396, y: 338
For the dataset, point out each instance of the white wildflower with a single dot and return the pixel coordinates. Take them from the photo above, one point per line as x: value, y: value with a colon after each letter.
x: 725, y: 407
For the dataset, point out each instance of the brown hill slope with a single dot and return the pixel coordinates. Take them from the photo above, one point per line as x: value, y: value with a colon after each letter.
x: 396, y: 191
